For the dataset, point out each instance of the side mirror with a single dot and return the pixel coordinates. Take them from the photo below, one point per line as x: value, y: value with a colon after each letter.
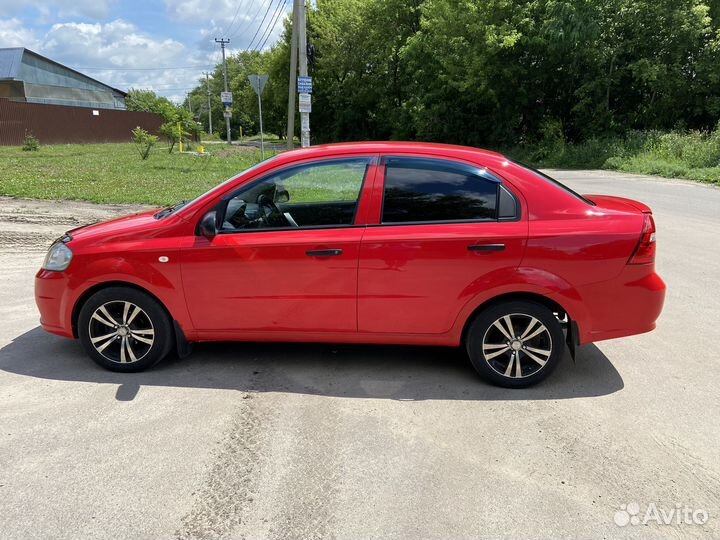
x: 282, y: 196
x: 208, y: 225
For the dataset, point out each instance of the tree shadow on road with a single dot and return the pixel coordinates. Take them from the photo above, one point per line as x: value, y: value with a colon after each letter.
x: 352, y: 371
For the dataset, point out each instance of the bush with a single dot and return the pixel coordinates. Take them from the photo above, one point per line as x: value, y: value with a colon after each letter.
x: 694, y: 155
x: 144, y: 142
x: 207, y: 137
x: 181, y: 127
x: 552, y: 144
x: 30, y: 143
x: 174, y: 133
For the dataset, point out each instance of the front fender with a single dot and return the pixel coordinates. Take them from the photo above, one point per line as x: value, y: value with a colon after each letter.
x: 142, y: 270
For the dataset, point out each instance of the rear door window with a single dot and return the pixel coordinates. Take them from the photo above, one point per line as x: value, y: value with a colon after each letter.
x: 421, y: 190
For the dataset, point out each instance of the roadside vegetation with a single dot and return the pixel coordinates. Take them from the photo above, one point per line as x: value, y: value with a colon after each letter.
x: 114, y: 173
x: 693, y: 155
x: 629, y: 85
x: 625, y: 84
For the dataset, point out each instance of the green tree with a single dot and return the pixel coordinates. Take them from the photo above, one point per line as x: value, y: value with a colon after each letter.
x: 181, y: 126
x: 148, y: 101
x: 144, y: 142
x: 493, y: 72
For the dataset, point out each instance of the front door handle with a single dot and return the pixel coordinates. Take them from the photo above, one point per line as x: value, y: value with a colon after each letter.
x: 324, y: 252
x: 487, y: 247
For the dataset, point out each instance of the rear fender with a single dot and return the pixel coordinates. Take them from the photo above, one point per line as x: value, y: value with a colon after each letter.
x: 531, y: 281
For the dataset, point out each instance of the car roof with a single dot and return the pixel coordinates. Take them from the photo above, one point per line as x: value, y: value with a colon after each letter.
x: 384, y: 147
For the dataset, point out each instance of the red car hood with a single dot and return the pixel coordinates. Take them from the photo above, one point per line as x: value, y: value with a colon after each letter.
x: 116, y: 228
x: 619, y: 203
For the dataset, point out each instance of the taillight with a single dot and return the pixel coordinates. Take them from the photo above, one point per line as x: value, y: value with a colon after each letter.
x: 645, y: 250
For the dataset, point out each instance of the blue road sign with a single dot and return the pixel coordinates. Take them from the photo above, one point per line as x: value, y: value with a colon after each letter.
x: 304, y: 85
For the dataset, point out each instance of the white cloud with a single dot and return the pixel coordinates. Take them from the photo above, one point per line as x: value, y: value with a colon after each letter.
x: 14, y: 34
x: 235, y: 19
x: 78, y: 39
x: 120, y: 44
x: 222, y: 11
x: 92, y: 9
x: 116, y: 46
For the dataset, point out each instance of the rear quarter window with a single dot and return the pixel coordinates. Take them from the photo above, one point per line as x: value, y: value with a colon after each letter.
x: 551, y: 180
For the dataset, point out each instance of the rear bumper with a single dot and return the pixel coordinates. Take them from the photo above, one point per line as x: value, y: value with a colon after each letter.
x: 53, y: 302
x: 629, y: 305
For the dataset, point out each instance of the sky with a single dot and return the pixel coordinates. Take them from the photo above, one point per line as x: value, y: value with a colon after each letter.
x: 161, y: 45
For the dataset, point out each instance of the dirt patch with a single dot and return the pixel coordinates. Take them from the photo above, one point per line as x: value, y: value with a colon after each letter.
x: 14, y: 241
x: 38, y: 219
x: 32, y: 225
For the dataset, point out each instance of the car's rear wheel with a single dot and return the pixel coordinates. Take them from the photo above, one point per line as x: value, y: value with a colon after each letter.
x: 124, y: 329
x: 515, y: 344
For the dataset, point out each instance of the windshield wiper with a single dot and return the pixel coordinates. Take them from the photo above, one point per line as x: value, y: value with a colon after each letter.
x: 170, y: 209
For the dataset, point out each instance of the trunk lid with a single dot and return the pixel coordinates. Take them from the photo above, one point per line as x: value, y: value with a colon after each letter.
x: 619, y: 203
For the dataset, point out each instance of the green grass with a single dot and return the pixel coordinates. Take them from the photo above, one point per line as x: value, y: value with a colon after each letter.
x: 269, y: 138
x: 114, y: 173
x: 691, y: 155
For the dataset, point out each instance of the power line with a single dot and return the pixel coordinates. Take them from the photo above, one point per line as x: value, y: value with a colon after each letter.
x: 157, y: 89
x: 272, y: 26
x: 249, y: 20
x: 261, y: 24
x: 225, y: 32
x: 206, y: 66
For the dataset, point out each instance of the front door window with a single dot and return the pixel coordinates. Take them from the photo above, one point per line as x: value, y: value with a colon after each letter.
x: 313, y: 195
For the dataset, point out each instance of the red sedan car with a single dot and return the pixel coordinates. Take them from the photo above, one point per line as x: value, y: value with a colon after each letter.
x: 395, y: 243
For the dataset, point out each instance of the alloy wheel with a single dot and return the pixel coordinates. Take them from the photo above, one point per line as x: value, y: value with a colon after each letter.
x: 121, y: 331
x: 517, y: 345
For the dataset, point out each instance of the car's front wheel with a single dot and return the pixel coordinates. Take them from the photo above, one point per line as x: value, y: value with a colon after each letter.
x: 124, y: 329
x: 515, y: 344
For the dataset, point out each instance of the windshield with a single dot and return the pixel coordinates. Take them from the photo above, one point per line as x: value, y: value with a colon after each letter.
x: 185, y: 204
x: 554, y: 182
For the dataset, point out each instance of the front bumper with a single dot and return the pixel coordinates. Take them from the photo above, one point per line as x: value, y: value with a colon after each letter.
x: 54, y: 303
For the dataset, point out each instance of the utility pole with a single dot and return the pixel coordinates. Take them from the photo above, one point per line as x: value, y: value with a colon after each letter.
x: 189, y: 95
x: 293, y: 76
x: 207, y: 85
x: 222, y: 43
x: 302, y: 49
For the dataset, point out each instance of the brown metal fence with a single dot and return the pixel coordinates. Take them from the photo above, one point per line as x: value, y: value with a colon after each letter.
x: 53, y: 124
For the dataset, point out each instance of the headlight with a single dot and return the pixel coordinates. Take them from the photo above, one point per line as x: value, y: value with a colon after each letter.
x: 58, y: 257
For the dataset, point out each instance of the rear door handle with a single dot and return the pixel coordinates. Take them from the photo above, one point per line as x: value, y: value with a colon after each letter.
x: 324, y: 252
x: 487, y: 247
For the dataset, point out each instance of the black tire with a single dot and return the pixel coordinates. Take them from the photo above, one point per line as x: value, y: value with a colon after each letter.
x: 492, y: 352
x: 128, y: 349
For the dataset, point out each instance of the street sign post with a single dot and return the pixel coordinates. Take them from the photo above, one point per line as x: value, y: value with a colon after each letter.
x: 258, y: 83
x: 305, y: 106
x: 305, y: 85
x: 227, y: 113
x: 226, y: 98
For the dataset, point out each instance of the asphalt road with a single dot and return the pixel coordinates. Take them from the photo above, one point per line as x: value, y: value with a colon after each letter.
x: 300, y: 442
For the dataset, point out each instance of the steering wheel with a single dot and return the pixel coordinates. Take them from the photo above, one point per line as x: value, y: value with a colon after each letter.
x: 271, y: 214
